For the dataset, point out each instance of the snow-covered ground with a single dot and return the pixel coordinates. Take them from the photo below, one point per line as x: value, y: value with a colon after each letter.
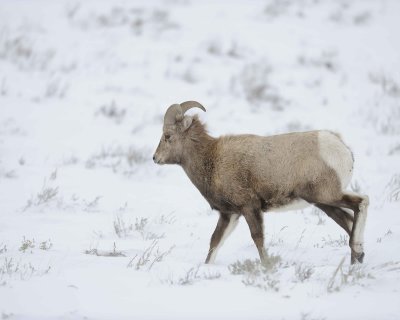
x: 90, y: 228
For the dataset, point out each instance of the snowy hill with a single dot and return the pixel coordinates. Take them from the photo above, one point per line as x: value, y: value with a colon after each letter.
x: 91, y: 228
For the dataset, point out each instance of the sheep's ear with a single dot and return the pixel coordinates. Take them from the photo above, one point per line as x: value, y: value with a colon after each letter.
x: 186, y: 123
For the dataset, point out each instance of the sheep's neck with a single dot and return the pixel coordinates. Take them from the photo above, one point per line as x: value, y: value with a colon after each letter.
x: 198, y: 162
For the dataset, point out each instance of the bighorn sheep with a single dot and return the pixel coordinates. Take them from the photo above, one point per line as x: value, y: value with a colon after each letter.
x: 248, y: 174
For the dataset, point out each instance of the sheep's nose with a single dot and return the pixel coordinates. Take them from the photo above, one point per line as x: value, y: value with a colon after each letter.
x: 154, y: 158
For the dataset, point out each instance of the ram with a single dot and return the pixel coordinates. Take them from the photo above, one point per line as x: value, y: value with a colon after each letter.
x: 249, y: 174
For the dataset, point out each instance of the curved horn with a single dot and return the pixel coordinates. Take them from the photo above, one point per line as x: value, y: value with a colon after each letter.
x: 191, y: 104
x: 176, y: 111
x: 172, y: 114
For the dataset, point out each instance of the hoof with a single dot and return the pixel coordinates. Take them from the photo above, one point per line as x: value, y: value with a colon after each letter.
x: 357, y: 257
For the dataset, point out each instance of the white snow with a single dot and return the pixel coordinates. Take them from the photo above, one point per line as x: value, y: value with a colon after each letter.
x: 83, y: 89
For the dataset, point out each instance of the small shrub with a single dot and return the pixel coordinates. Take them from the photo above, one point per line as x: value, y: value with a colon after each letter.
x: 392, y: 189
x: 189, y: 75
x: 3, y: 248
x: 387, y: 84
x: 113, y: 253
x: 149, y: 257
x: 166, y: 219
x: 46, y: 195
x: 46, y: 245
x: 72, y: 9
x: 342, y: 277
x: 253, y: 82
x: 209, y: 275
x: 247, y: 266
x: 3, y: 87
x: 27, y: 244
x: 20, y: 51
x: 214, y: 48
x: 391, y: 266
x: 384, y: 112
x: 362, y: 18
x: 140, y: 224
x: 91, y: 205
x: 123, y: 229
x: 276, y: 8
x: 308, y: 316
x: 10, y: 174
x: 112, y: 112
x: 276, y: 240
x: 394, y: 150
x: 303, y: 272
x: 190, y: 276
x: 326, y: 60
x: 335, y: 243
x: 5, y: 316
x: 120, y: 160
x: 258, y: 275
x: 11, y: 269
x: 138, y: 20
x: 56, y: 89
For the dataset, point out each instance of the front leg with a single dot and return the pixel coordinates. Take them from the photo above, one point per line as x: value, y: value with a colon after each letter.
x: 226, y: 224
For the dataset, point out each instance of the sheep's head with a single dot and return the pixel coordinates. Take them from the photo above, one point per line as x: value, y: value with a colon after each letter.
x: 170, y: 148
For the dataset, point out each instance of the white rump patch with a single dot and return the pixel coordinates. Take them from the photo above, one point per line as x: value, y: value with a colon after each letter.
x: 336, y: 155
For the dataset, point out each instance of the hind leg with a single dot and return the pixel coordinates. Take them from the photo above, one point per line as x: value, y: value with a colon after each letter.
x: 340, y: 216
x: 359, y: 205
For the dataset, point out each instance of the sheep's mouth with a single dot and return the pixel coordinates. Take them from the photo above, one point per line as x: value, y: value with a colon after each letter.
x: 158, y: 161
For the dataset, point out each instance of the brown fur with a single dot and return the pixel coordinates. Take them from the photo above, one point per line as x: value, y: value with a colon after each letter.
x: 248, y: 174
x: 232, y: 172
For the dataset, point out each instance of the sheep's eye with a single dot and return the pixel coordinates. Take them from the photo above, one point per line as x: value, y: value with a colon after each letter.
x: 167, y: 137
